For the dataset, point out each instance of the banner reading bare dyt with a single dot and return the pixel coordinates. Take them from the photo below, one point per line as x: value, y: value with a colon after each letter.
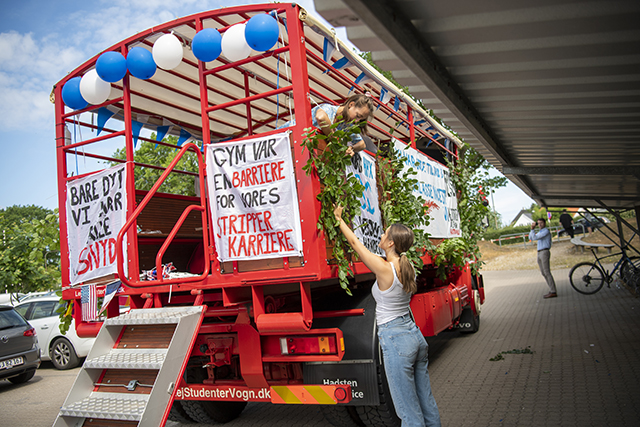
x: 253, y: 199
x: 96, y: 211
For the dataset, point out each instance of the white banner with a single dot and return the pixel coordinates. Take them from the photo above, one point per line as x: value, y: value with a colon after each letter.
x: 368, y: 225
x: 253, y: 198
x: 436, y: 188
x: 96, y: 212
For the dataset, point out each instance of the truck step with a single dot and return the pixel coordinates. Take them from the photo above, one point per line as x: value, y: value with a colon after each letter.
x: 132, y: 368
x: 128, y: 359
x: 109, y: 406
x: 152, y: 316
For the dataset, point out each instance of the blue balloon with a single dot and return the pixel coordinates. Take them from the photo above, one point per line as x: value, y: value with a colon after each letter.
x: 262, y: 32
x: 111, y: 66
x: 140, y: 63
x: 207, y: 45
x: 71, y: 94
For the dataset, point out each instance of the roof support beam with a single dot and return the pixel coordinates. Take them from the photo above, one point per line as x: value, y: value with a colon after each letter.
x: 573, y: 170
x: 584, y: 197
x: 400, y: 35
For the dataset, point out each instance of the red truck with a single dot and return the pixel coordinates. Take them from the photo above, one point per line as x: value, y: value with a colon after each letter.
x: 232, y: 291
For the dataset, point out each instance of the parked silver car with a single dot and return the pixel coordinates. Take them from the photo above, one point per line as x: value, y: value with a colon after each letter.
x: 64, y: 351
x: 19, y: 350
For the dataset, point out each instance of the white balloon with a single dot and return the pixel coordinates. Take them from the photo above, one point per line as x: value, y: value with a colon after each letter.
x: 93, y: 89
x: 167, y: 52
x: 234, y: 45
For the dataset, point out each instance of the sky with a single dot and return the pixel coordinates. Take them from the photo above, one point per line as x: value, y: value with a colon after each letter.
x: 43, y: 40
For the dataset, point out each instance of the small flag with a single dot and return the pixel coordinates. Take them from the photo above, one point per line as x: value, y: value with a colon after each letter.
x: 327, y: 50
x: 162, y: 132
x: 362, y: 79
x: 89, y: 300
x: 342, y: 63
x: 385, y: 96
x: 112, y: 289
x: 136, y: 127
x: 184, y: 137
x: 104, y: 114
x: 396, y: 104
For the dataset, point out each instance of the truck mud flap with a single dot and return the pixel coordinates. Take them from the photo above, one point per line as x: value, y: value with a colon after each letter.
x: 359, y: 374
x: 358, y: 366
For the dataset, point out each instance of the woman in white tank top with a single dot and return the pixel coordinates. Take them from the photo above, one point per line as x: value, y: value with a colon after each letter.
x: 404, y: 349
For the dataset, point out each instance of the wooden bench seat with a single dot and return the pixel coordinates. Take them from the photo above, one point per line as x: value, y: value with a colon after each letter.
x: 579, y: 243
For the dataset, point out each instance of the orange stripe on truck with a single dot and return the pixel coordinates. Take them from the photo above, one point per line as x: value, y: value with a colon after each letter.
x: 311, y: 394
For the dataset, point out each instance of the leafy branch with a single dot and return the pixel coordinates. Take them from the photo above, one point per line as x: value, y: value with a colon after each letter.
x: 328, y: 159
x: 399, y: 204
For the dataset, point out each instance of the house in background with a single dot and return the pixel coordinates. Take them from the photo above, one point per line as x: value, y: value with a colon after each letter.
x: 523, y: 218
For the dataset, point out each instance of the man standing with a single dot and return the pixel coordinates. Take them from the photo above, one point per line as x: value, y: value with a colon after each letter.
x: 567, y: 222
x: 543, y: 236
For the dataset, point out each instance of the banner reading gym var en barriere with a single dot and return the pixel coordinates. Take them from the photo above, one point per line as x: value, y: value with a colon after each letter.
x: 253, y: 199
x: 436, y: 188
x: 96, y: 211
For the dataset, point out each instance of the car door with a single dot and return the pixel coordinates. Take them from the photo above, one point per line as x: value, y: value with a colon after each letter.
x: 44, y: 319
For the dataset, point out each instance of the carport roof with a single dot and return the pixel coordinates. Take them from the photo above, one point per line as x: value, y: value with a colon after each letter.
x: 548, y: 93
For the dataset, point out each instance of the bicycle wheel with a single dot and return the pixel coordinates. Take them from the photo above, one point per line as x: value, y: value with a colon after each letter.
x: 630, y: 270
x: 586, y: 278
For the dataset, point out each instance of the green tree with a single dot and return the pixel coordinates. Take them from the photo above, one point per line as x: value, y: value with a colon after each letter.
x: 161, y: 155
x: 29, y: 249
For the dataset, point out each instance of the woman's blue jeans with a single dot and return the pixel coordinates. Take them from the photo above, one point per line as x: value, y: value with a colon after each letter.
x: 404, y: 352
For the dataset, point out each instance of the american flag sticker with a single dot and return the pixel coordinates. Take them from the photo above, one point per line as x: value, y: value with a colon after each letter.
x: 89, y: 299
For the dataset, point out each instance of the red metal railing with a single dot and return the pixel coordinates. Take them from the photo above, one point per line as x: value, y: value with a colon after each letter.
x: 143, y: 203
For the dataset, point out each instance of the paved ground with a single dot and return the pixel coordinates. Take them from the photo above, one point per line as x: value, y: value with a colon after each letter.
x: 584, y: 370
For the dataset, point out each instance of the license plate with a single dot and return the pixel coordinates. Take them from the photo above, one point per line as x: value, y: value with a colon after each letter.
x: 6, y: 364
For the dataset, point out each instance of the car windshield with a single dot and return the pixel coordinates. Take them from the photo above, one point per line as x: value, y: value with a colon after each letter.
x: 10, y: 319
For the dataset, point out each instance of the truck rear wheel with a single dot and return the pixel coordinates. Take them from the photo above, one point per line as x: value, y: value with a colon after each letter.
x: 210, y: 412
x: 178, y: 414
x: 383, y: 415
x: 341, y: 416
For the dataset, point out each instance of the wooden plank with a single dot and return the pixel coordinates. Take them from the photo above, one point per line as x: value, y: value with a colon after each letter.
x: 117, y: 377
x: 162, y: 213
x: 95, y: 422
x: 147, y: 336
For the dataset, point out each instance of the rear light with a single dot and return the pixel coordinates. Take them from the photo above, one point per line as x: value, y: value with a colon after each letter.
x: 308, y: 345
x: 29, y: 332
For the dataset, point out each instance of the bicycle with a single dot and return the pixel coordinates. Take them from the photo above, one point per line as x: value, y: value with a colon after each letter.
x: 589, y: 277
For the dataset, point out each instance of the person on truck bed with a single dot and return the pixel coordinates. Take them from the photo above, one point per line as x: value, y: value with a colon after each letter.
x: 356, y: 109
x: 404, y: 349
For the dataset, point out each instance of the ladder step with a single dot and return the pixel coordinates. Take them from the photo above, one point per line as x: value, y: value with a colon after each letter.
x: 128, y: 359
x: 153, y: 316
x: 109, y: 406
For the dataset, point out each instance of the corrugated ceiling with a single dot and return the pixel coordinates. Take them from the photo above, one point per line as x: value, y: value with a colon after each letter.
x: 548, y: 92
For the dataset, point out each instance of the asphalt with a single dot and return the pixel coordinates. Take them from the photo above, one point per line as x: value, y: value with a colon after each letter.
x: 570, y: 361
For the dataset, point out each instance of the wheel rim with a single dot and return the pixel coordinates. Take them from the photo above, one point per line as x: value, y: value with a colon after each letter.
x: 587, y: 278
x: 61, y: 353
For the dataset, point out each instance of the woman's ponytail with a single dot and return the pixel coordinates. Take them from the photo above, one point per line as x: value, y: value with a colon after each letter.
x: 402, y: 238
